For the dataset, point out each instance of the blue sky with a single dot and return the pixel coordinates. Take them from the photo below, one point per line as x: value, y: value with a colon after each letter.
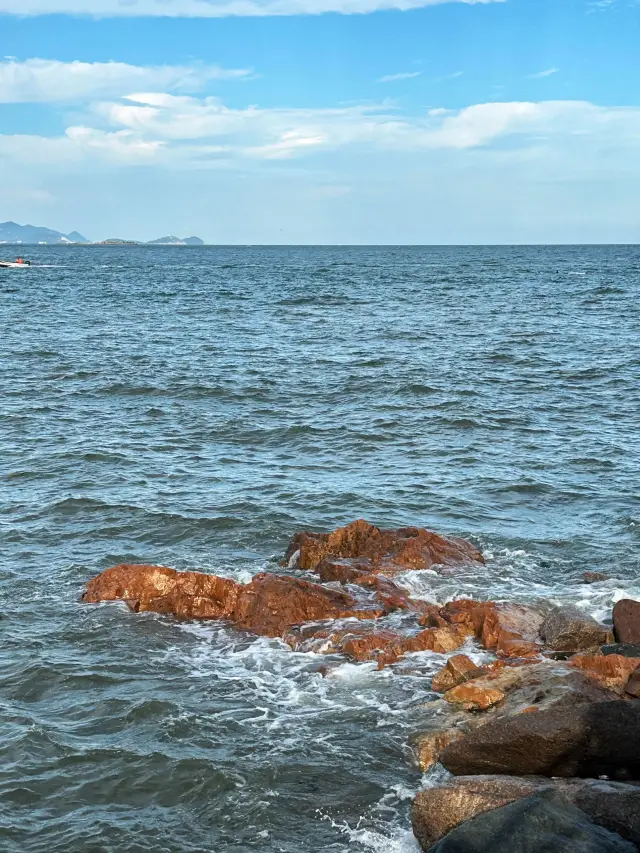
x: 323, y: 121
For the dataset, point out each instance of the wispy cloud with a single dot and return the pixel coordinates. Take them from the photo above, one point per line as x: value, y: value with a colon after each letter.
x: 172, y: 131
x: 403, y: 75
x: 210, y: 8
x: 549, y: 72
x: 47, y: 80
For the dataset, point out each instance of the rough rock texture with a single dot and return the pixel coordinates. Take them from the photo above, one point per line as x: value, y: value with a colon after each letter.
x: 511, y: 630
x: 457, y: 670
x: 428, y: 746
x: 188, y: 595
x: 595, y: 577
x: 626, y: 621
x: 600, y: 738
x: 474, y: 697
x: 570, y: 629
x: 268, y: 606
x: 438, y: 810
x: 379, y: 551
x: 633, y: 685
x: 545, y: 821
x: 611, y: 671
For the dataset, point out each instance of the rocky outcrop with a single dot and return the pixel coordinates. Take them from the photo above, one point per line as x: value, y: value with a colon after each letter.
x: 377, y: 551
x: 545, y: 821
x: 611, y: 671
x: 626, y: 621
x: 511, y: 630
x: 438, y: 810
x: 268, y: 606
x: 600, y: 738
x: 633, y: 685
x: 570, y: 629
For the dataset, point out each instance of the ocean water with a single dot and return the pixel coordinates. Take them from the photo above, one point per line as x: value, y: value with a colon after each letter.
x: 196, y: 407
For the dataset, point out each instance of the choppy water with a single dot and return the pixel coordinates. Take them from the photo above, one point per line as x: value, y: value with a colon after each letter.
x: 195, y: 408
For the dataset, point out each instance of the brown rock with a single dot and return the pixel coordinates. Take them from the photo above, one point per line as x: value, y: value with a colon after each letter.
x: 164, y: 590
x: 626, y: 621
x: 595, y: 577
x: 513, y: 630
x: 474, y: 697
x: 428, y: 746
x: 633, y: 685
x: 457, y: 670
x: 570, y: 629
x: 268, y: 606
x: 593, y: 740
x: 611, y: 671
x: 437, y: 811
x: 380, y: 550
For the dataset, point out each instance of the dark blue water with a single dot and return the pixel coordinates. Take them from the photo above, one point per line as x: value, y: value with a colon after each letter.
x: 195, y: 407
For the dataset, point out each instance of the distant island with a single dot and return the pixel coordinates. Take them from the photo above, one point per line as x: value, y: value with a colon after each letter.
x: 12, y: 233
x: 177, y: 241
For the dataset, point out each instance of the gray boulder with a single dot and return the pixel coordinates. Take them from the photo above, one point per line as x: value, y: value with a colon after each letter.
x: 570, y: 629
x: 438, y: 810
x: 588, y: 740
x: 543, y: 823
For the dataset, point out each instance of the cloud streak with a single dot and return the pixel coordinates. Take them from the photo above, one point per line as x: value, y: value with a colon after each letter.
x: 47, y: 80
x: 403, y: 75
x: 540, y: 75
x: 210, y: 8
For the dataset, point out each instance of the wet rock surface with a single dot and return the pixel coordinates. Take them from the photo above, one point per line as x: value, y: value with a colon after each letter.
x: 611, y: 671
x: 599, y: 738
x: 379, y: 551
x: 626, y: 621
x: 436, y: 811
x: 570, y: 629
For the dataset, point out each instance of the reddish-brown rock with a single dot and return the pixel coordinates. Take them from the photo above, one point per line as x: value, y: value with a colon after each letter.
x: 429, y: 746
x: 267, y: 606
x: 610, y: 671
x: 164, y: 590
x: 511, y: 630
x: 379, y: 551
x: 457, y: 670
x: 626, y: 621
x: 474, y: 697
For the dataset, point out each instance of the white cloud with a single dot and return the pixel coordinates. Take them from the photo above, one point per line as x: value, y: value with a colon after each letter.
x: 403, y: 75
x: 210, y: 8
x: 542, y: 74
x: 47, y: 80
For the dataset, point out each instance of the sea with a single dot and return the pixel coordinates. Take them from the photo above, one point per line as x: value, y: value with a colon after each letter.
x: 195, y: 407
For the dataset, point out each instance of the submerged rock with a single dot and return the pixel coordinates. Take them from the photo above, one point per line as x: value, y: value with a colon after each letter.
x: 626, y: 621
x: 436, y: 811
x: 595, y: 577
x: 377, y: 551
x: 570, y: 629
x: 545, y: 821
x: 600, y: 738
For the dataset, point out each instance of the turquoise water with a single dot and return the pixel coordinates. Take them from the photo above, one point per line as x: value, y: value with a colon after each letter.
x: 196, y: 407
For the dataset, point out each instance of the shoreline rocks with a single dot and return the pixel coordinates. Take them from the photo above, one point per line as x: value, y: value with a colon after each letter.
x: 557, y: 698
x: 437, y: 811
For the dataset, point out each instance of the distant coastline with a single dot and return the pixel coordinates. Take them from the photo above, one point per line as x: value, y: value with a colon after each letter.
x: 13, y: 234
